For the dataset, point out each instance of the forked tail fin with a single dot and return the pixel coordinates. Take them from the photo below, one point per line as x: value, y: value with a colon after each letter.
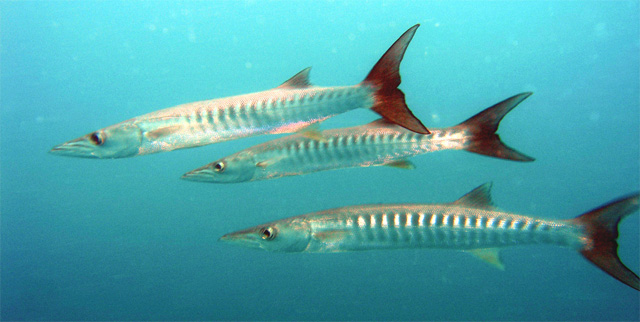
x: 601, y: 248
x: 385, y: 77
x: 483, y: 127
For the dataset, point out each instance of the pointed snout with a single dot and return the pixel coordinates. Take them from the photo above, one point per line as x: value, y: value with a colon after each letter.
x: 244, y: 238
x: 75, y: 148
x: 203, y: 174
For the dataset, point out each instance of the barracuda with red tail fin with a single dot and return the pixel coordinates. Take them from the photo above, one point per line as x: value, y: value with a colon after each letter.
x: 294, y: 106
x: 470, y: 223
x: 380, y: 143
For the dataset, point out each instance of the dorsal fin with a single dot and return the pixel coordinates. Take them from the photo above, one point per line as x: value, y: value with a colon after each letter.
x: 479, y: 198
x: 299, y: 80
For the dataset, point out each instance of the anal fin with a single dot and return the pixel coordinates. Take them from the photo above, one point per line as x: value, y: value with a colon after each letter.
x: 401, y: 164
x: 490, y: 256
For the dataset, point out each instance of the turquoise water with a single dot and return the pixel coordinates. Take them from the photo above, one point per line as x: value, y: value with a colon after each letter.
x: 126, y: 239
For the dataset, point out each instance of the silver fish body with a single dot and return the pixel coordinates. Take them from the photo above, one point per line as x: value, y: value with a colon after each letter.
x: 470, y: 223
x: 360, y: 146
x: 458, y: 225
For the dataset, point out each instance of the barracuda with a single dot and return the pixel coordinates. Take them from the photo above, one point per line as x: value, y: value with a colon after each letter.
x: 375, y: 144
x: 291, y: 107
x: 470, y: 223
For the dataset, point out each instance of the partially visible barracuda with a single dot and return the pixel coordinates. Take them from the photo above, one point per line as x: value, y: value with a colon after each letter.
x: 290, y: 107
x: 470, y: 223
x: 374, y: 144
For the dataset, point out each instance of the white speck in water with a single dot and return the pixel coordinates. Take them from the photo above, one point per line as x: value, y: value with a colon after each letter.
x: 437, y: 24
x: 600, y: 29
x: 192, y: 35
x: 248, y: 65
x: 435, y: 117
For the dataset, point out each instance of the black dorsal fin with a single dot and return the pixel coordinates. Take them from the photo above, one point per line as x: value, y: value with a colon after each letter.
x: 299, y: 80
x: 479, y: 198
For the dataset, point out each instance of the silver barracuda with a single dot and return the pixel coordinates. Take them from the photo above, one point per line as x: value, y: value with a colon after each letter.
x: 291, y: 107
x: 470, y: 223
x: 375, y: 144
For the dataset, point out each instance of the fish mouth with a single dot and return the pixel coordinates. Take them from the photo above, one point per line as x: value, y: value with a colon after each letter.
x: 241, y: 239
x: 73, y: 149
x: 200, y: 175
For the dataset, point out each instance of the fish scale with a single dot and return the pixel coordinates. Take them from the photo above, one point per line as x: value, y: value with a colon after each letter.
x: 240, y: 116
x: 393, y: 226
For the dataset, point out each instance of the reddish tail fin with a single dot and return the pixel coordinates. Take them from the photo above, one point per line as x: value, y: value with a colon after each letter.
x: 385, y: 76
x: 483, y: 127
x: 601, y: 249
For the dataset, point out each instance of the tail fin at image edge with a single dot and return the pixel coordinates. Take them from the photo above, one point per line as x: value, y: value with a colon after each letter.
x: 601, y: 225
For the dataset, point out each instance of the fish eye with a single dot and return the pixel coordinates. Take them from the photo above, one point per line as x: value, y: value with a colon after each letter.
x: 219, y: 166
x: 268, y: 233
x: 96, y: 138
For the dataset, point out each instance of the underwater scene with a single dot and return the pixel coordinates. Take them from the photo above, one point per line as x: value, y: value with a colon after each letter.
x: 325, y: 160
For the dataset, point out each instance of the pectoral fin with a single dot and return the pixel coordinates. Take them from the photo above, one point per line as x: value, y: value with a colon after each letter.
x: 268, y: 162
x: 331, y: 236
x: 163, y: 131
x: 490, y: 256
x: 401, y: 164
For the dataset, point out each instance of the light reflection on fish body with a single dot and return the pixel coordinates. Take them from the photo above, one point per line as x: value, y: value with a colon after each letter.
x: 374, y: 144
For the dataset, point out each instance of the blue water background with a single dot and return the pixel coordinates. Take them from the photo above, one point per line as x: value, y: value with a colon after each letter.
x: 125, y: 239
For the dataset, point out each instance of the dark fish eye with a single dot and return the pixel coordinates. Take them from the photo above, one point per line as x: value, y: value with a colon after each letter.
x: 219, y: 166
x: 96, y: 138
x: 268, y: 233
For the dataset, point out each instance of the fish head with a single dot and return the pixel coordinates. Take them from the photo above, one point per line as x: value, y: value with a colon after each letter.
x: 287, y: 235
x: 238, y: 167
x: 116, y: 141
